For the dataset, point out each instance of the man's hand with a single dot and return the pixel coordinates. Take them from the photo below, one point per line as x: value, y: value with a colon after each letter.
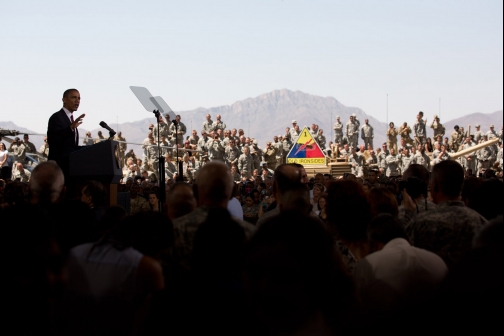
x: 77, y: 122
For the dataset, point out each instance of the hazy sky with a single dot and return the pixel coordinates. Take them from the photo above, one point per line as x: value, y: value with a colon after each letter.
x: 211, y: 53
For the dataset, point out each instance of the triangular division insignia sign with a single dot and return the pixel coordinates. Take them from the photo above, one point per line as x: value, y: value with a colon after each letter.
x: 306, y: 150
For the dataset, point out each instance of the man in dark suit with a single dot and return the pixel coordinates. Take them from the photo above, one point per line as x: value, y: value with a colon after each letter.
x: 62, y: 132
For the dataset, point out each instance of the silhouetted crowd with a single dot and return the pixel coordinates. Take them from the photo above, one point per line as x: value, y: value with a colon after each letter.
x: 413, y: 254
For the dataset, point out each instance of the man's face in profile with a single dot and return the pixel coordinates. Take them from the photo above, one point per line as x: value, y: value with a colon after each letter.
x: 71, y: 101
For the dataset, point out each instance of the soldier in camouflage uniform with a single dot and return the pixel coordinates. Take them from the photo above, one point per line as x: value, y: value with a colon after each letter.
x: 220, y: 134
x: 194, y: 139
x: 202, y: 142
x: 231, y: 154
x: 164, y: 129
x: 145, y: 144
x: 137, y: 202
x: 245, y: 163
x: 88, y: 140
x: 207, y: 125
x: 485, y: 156
x: 421, y: 158
x: 286, y: 145
x: 216, y: 150
x: 18, y: 149
x: 392, y: 137
x: 99, y: 138
x: 382, y: 156
x: 227, y: 137
x: 491, y: 133
x: 345, y: 152
x: 295, y: 133
x: 30, y: 147
x: 182, y: 129
x: 469, y: 160
x: 448, y: 229
x: 20, y: 173
x: 165, y: 143
x: 277, y: 143
x: 406, y: 159
x: 44, y: 149
x: 352, y: 132
x: 392, y: 164
x: 356, y: 162
x: 185, y: 227
x: 367, y: 134
x: 439, y: 154
x: 456, y: 138
x: 257, y: 155
x: 235, y: 137
x: 439, y: 129
x: 357, y: 121
x: 242, y: 143
x: 404, y: 132
x: 478, y: 134
x: 123, y: 146
x: 270, y: 155
x: 372, y: 160
x: 419, y: 129
x: 234, y: 173
x: 218, y: 124
x: 499, y: 157
x: 338, y: 131
x: 170, y: 167
x: 321, y: 139
x: 153, y: 157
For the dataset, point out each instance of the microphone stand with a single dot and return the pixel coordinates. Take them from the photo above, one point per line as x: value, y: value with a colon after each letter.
x: 180, y: 168
x: 111, y: 135
x: 161, y: 168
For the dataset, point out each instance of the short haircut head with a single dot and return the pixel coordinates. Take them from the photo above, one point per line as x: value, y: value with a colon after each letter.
x: 418, y: 171
x: 97, y: 191
x: 68, y: 92
x: 448, y: 178
x: 215, y: 183
x: 348, y: 197
x: 180, y: 200
x: 385, y: 227
x: 285, y: 175
x: 296, y: 198
x: 383, y: 201
x: 46, y: 182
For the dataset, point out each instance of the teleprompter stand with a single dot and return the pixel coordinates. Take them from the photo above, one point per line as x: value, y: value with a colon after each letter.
x: 158, y: 106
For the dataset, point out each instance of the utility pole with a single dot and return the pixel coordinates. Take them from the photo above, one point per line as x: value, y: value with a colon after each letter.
x: 331, y: 126
x: 387, y: 108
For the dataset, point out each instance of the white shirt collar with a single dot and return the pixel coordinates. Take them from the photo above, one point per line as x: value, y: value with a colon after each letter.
x: 68, y: 113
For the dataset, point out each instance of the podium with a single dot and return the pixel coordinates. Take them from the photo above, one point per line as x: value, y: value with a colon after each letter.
x: 99, y: 162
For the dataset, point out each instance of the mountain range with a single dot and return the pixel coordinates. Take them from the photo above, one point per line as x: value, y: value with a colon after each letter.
x: 269, y: 114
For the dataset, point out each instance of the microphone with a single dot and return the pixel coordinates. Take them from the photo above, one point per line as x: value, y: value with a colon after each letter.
x: 104, y: 125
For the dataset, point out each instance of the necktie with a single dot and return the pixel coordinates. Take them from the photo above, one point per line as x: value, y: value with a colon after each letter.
x: 72, y: 120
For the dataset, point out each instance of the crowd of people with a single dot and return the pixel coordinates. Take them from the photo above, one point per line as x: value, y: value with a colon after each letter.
x: 392, y: 159
x: 247, y: 160
x: 306, y: 256
x: 254, y: 246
